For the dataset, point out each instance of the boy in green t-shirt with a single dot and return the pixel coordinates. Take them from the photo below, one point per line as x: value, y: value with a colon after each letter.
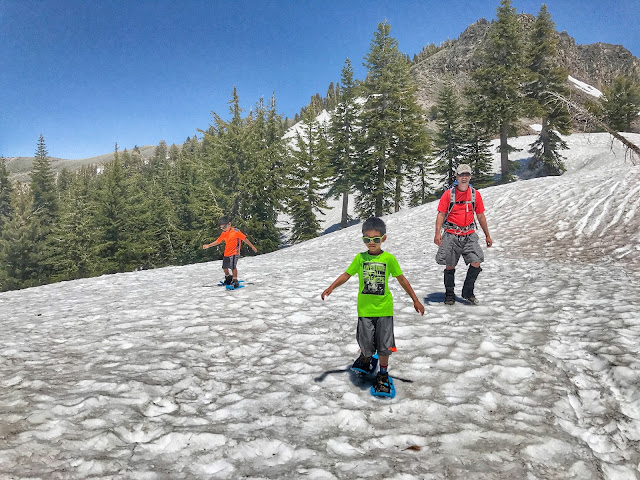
x: 375, y: 303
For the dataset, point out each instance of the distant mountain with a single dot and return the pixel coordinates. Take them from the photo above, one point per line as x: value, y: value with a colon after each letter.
x: 595, y: 64
x: 19, y: 167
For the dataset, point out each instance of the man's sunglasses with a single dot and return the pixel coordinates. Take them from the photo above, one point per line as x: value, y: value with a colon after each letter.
x: 372, y: 239
x: 223, y: 226
x: 464, y: 174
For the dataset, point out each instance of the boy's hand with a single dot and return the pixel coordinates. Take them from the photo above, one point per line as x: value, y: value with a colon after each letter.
x: 326, y: 293
x: 419, y: 307
x: 255, y: 250
x: 206, y: 246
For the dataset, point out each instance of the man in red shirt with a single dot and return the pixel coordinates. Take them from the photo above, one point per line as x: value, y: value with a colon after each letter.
x: 232, y: 238
x: 457, y: 220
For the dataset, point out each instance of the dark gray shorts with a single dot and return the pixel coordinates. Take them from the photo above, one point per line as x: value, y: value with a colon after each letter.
x: 375, y: 334
x: 455, y: 245
x: 230, y: 262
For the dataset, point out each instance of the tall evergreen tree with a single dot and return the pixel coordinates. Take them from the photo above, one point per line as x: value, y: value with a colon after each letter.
x: 43, y: 185
x: 392, y: 130
x: 308, y: 173
x: 421, y: 189
x: 621, y: 103
x: 343, y: 145
x: 6, y: 188
x: 548, y: 80
x: 266, y: 179
x: 477, y: 146
x: 72, y: 240
x: 498, y: 90
x: 111, y: 219
x: 449, y: 139
x: 20, y: 245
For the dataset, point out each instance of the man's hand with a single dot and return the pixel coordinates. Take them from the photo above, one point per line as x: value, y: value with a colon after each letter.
x: 326, y: 293
x: 489, y: 241
x: 206, y: 246
x: 418, y: 306
x: 438, y: 238
x: 255, y: 250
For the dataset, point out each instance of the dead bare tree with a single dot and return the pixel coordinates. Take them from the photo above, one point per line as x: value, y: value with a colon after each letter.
x: 583, y: 115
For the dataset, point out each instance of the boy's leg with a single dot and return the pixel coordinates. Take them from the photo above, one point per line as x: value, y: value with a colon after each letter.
x: 365, y: 335
x: 385, y: 342
x: 383, y: 361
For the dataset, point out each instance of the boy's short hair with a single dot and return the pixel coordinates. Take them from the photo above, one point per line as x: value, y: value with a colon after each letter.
x: 224, y: 221
x: 374, y: 223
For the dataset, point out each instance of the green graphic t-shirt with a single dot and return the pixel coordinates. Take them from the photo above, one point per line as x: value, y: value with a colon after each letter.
x: 374, y: 297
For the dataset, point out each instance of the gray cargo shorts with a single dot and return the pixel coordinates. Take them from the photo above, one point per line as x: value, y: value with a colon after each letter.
x: 455, y: 245
x: 230, y: 262
x: 375, y: 334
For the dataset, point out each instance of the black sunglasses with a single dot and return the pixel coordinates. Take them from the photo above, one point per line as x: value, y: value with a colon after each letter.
x: 372, y: 239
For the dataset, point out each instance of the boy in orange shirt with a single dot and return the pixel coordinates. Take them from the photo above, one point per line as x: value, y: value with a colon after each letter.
x: 232, y: 238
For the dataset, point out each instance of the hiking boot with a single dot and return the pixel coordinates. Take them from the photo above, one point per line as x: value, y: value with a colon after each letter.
x: 449, y: 285
x: 382, y: 385
x: 362, y: 364
x: 228, y: 279
x: 472, y: 299
x: 469, y: 283
x: 235, y: 283
x: 449, y: 299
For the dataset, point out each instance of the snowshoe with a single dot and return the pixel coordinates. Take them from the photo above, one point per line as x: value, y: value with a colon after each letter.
x: 366, y: 365
x: 383, y: 386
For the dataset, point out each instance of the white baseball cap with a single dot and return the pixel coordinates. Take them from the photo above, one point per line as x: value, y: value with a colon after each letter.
x: 463, y: 168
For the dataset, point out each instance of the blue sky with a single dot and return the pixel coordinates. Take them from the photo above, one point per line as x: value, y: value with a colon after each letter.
x: 88, y: 74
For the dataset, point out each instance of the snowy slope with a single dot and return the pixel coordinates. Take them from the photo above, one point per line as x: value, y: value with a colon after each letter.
x: 158, y: 374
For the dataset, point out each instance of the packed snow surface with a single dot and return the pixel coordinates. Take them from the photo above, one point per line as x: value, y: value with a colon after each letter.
x: 163, y: 375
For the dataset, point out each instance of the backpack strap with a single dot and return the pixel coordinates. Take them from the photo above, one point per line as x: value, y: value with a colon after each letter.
x: 452, y: 201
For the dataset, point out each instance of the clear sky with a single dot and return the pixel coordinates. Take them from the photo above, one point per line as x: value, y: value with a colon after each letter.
x: 88, y: 74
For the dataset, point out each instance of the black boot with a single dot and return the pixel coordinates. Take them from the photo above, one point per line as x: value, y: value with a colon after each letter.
x: 449, y: 284
x: 228, y: 279
x: 469, y: 282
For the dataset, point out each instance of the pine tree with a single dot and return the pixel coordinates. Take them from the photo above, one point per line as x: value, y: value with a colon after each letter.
x: 343, y: 147
x: 20, y: 244
x: 6, y: 188
x: 498, y: 91
x: 449, y: 139
x: 111, y: 219
x: 421, y: 189
x: 548, y: 80
x: 621, y: 103
x: 477, y: 146
x: 308, y: 172
x: 72, y: 240
x: 392, y: 129
x: 227, y: 157
x: 266, y: 179
x: 43, y: 186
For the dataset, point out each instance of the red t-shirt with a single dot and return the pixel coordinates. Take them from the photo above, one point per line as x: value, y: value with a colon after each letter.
x: 461, y: 214
x: 232, y: 240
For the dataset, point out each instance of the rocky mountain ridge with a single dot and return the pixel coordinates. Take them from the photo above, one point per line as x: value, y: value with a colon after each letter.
x: 596, y: 64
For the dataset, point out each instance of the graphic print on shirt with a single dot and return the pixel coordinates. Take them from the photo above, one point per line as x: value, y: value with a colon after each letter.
x: 373, y: 276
